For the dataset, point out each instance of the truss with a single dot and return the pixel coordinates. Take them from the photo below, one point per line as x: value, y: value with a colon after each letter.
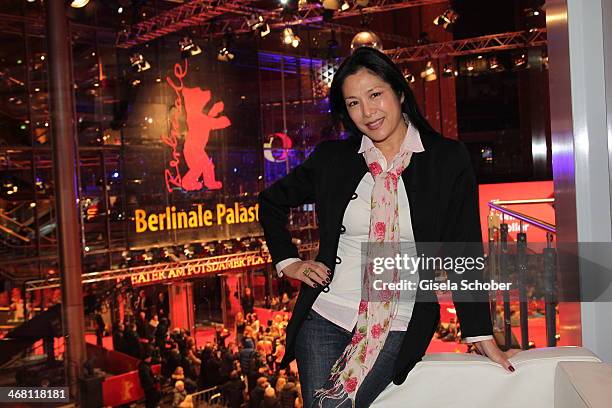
x: 204, y: 13
x: 476, y: 45
x: 191, y: 268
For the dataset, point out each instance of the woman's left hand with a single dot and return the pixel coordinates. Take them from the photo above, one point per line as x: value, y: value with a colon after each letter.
x: 489, y: 349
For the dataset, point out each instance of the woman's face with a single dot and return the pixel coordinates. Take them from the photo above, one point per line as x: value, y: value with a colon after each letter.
x: 373, y: 106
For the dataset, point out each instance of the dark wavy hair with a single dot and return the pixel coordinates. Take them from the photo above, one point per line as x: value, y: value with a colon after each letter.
x: 378, y: 64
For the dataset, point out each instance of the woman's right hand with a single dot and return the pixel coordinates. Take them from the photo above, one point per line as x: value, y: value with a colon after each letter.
x: 313, y: 273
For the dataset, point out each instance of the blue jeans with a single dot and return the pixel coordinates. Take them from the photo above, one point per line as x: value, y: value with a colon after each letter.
x: 318, y: 345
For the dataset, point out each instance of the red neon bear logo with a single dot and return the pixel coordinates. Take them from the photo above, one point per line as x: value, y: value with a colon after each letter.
x: 199, y: 126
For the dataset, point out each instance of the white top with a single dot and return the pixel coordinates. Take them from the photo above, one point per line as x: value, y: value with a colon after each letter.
x: 341, y: 304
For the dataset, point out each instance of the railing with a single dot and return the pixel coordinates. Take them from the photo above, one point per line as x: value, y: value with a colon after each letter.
x: 211, y: 397
x: 499, y: 266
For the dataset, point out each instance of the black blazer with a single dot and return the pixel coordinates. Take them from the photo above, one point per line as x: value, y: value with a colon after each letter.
x: 443, y: 199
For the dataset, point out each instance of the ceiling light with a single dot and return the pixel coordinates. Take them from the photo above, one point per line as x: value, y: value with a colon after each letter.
x: 408, y: 76
x: 448, y: 18
x: 296, y: 41
x: 257, y: 23
x: 189, y: 48
x: 225, y: 55
x: 138, y: 62
x: 520, y: 60
x: 449, y: 71
x: 493, y: 63
x: 79, y: 3
x: 429, y: 73
x: 287, y: 36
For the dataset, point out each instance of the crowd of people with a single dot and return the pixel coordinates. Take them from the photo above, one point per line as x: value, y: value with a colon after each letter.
x: 245, y: 370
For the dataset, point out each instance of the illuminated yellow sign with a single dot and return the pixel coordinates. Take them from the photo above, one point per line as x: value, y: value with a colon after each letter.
x: 172, y: 219
x: 214, y: 265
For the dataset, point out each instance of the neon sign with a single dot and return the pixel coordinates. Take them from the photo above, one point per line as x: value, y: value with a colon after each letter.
x: 238, y: 261
x: 287, y: 143
x: 172, y: 219
x: 190, y: 103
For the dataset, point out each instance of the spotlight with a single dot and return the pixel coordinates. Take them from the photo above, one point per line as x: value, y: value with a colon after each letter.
x: 138, y: 62
x: 520, y: 60
x: 79, y: 3
x: 470, y: 65
x: 449, y: 71
x: 331, y: 4
x: 533, y: 12
x: 345, y: 6
x: 429, y: 73
x: 296, y: 41
x: 225, y: 55
x: 493, y: 63
x: 188, y: 48
x: 446, y: 19
x: 289, y: 38
x: 289, y: 6
x: 408, y: 76
x: 258, y: 24
x: 329, y: 8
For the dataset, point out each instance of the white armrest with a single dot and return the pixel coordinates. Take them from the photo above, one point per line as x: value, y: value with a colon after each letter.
x: 468, y: 380
x: 581, y: 384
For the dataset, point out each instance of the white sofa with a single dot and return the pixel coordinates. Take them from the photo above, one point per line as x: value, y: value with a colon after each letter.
x: 582, y: 384
x: 468, y: 380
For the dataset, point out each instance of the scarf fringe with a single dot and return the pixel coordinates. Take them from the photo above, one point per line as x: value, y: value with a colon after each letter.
x: 337, y: 392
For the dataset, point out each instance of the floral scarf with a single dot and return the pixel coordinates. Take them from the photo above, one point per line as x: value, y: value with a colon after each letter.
x: 377, y: 307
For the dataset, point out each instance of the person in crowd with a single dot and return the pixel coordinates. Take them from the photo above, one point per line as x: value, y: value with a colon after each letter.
x: 161, y: 332
x: 118, y: 338
x: 162, y: 305
x: 226, y: 364
x: 221, y: 333
x: 269, y: 399
x: 280, y: 383
x: 142, y: 325
x: 174, y: 359
x: 247, y: 301
x: 255, y: 324
x: 132, y: 343
x: 149, y: 382
x: 288, y: 394
x: 362, y: 187
x: 257, y: 393
x: 275, y: 303
x: 150, y: 331
x: 233, y: 390
x: 285, y: 302
x: 240, y: 324
x: 209, y: 375
x: 100, y: 327
x: 299, y: 402
x: 192, y: 354
x: 249, y: 333
x: 179, y: 394
x: 178, y: 374
x: 141, y: 304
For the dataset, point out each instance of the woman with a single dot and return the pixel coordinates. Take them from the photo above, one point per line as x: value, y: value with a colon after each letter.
x: 395, y: 179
